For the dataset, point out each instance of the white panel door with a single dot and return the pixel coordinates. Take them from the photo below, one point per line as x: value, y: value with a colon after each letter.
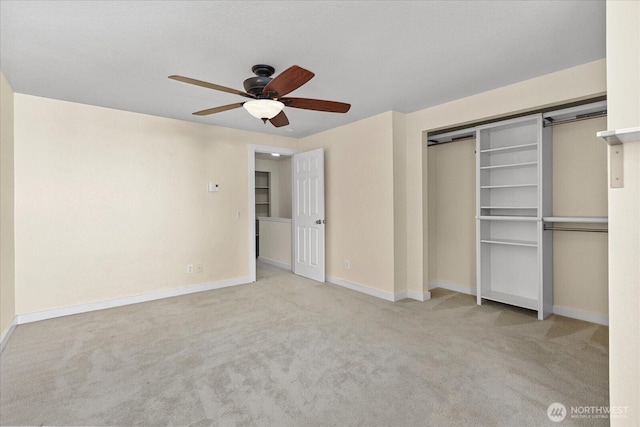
x: 308, y: 215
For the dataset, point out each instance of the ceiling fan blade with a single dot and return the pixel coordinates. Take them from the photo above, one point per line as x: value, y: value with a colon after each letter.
x: 280, y: 120
x: 287, y: 81
x: 210, y: 85
x: 317, y: 105
x: 218, y: 109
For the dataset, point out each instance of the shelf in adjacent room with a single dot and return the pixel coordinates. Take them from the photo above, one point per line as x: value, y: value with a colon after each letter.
x: 516, y: 300
x: 524, y: 243
x: 511, y: 165
x: 262, y: 192
x: 511, y: 148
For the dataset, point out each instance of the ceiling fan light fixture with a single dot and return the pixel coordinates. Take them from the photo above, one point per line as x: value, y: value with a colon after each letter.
x: 263, y: 108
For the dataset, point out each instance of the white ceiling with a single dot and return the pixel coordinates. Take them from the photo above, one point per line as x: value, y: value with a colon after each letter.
x: 378, y: 56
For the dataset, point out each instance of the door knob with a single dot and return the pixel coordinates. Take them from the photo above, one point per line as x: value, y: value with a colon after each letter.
x: 321, y: 221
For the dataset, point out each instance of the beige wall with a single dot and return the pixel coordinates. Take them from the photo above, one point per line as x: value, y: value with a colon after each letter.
x: 284, y: 169
x: 399, y: 142
x: 275, y: 241
x: 580, y: 264
x: 623, y: 83
x: 577, y: 83
x: 7, y: 253
x: 452, y: 224
x: 111, y: 204
x: 429, y: 209
x: 359, y: 200
x: 394, y: 141
x: 372, y: 167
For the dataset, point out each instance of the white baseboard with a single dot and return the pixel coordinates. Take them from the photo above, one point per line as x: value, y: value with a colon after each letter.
x: 118, y: 302
x: 452, y: 287
x: 581, y: 315
x: 387, y: 296
x: 275, y: 263
x: 419, y: 295
x: 6, y: 334
x: 361, y: 288
x: 559, y: 310
x: 400, y: 296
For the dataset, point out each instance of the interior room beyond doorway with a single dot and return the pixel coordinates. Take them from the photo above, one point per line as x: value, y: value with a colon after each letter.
x: 273, y: 209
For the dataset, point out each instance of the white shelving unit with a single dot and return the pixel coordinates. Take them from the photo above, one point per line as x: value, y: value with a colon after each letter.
x: 263, y: 194
x: 262, y: 200
x: 513, y: 175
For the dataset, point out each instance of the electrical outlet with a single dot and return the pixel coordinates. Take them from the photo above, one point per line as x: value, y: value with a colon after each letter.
x: 347, y: 264
x: 190, y: 268
x: 199, y: 268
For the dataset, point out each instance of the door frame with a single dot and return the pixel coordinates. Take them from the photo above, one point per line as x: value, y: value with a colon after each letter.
x: 253, y: 149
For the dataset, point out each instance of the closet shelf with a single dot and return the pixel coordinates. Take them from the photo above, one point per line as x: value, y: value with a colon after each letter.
x: 508, y: 186
x: 511, y: 148
x: 578, y: 219
x: 524, y: 243
x: 620, y: 136
x: 511, y: 165
x: 510, y: 207
x: 516, y: 300
x: 507, y: 218
x: 513, y: 176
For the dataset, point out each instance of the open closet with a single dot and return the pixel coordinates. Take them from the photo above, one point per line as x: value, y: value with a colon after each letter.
x: 537, y: 199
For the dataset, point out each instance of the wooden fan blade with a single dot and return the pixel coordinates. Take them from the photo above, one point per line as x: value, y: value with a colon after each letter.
x: 210, y: 85
x: 287, y: 81
x: 317, y: 105
x: 218, y: 109
x: 280, y: 120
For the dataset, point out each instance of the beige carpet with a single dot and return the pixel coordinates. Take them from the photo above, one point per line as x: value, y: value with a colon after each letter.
x: 287, y: 351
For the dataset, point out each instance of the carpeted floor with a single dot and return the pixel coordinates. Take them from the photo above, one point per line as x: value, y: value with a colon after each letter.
x: 287, y: 351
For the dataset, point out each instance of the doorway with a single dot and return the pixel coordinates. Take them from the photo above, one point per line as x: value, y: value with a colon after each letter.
x: 262, y: 202
x: 273, y: 208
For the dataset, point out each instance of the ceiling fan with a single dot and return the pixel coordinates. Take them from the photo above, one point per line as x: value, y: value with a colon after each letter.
x: 268, y: 94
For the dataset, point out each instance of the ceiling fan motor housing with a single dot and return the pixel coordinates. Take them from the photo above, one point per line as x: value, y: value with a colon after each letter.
x: 255, y: 85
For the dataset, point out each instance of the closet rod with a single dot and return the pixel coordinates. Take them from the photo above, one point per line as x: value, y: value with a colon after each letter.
x: 549, y: 122
x: 585, y: 230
